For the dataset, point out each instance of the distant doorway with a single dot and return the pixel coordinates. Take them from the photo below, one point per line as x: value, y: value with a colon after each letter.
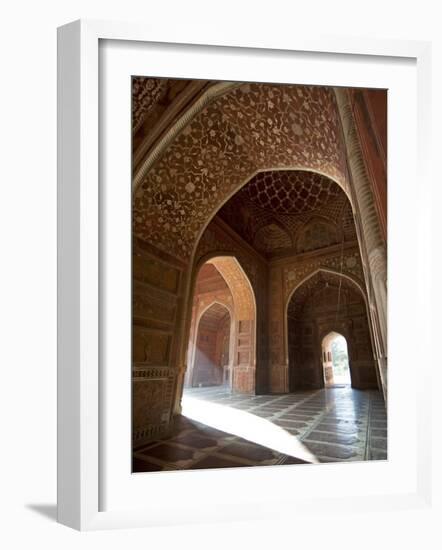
x: 335, y: 360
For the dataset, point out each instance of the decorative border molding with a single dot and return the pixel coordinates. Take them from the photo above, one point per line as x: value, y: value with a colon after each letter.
x: 144, y: 373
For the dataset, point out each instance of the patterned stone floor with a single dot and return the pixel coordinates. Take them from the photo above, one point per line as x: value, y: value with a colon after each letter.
x: 338, y: 424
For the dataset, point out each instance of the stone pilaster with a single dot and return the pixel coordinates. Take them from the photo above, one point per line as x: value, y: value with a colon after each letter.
x: 373, y: 247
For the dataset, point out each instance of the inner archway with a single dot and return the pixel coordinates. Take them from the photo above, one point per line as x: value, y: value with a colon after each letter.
x: 325, y: 305
x: 211, y: 361
x: 222, y: 338
x: 335, y: 360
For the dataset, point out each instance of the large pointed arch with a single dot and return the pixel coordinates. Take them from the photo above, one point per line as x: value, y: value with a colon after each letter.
x: 315, y: 272
x: 226, y: 144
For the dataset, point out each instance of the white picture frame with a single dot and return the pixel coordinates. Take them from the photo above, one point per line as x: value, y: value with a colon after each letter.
x: 81, y: 435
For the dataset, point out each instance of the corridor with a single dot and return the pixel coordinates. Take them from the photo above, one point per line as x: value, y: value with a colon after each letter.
x: 330, y: 425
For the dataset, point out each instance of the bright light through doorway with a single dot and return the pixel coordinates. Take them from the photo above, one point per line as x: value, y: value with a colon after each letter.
x: 339, y: 354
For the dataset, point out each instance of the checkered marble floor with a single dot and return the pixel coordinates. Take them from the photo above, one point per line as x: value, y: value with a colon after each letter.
x: 337, y: 424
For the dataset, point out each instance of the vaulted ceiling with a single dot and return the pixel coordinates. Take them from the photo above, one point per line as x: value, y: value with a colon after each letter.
x: 209, y: 280
x: 214, y: 317
x: 290, y: 211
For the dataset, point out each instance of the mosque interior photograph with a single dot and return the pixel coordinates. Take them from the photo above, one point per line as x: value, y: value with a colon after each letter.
x: 259, y: 274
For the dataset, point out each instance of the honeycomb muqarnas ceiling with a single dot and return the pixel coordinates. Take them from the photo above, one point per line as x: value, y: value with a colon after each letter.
x: 289, y: 192
x: 249, y: 129
x: 271, y: 210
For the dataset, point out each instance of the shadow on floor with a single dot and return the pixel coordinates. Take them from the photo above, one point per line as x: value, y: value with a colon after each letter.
x: 49, y: 511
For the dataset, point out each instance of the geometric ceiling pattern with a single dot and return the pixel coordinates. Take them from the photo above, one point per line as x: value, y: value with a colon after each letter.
x: 290, y: 191
x: 241, y: 132
x: 273, y: 211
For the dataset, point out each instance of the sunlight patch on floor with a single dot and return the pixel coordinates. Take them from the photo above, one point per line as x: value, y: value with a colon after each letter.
x: 246, y: 425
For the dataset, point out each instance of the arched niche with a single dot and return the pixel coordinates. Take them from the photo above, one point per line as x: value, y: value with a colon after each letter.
x: 317, y: 233
x: 272, y: 236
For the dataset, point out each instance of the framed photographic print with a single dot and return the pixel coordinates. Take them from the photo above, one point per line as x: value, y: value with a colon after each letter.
x: 226, y: 241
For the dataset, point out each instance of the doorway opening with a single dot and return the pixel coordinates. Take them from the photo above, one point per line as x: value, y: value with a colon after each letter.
x: 335, y: 360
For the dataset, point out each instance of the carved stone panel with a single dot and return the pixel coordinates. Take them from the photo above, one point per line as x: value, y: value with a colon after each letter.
x: 151, y: 305
x: 151, y: 347
x: 244, y: 379
x: 152, y: 401
x: 156, y: 273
